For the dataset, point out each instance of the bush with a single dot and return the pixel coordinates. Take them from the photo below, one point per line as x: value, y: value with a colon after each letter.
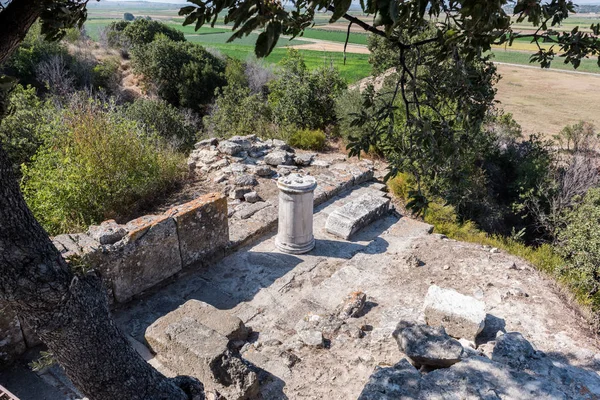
x: 105, y: 75
x: 96, y: 165
x: 580, y: 246
x: 168, y: 122
x: 26, y: 126
x: 184, y: 74
x: 139, y: 32
x: 304, y: 98
x: 32, y: 51
x: 308, y: 139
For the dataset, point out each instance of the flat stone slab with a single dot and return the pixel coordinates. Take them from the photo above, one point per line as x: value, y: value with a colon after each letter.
x: 350, y: 218
x: 399, y: 382
x: 461, y: 316
x: 186, y: 346
x: 425, y: 345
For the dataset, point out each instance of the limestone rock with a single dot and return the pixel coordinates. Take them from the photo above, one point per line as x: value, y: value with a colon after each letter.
x: 400, y: 382
x: 350, y: 218
x: 279, y: 157
x: 425, y: 345
x: 252, y: 197
x: 147, y: 255
x: 202, y: 227
x: 238, y: 192
x: 205, y: 156
x: 248, y: 210
x: 461, y: 316
x: 304, y: 160
x: 206, y: 143
x: 263, y: 171
x: 311, y: 337
x: 281, y: 145
x: 246, y: 180
x: 229, y: 147
x: 188, y: 347
x: 244, y: 141
x: 512, y: 349
x: 108, y: 232
x: 353, y: 305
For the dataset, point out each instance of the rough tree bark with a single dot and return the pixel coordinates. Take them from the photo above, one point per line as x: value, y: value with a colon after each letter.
x: 69, y: 312
x: 16, y: 20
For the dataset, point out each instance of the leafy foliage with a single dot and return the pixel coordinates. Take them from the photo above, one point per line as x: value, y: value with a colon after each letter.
x: 158, y: 116
x: 308, y: 139
x: 181, y: 73
x: 26, y: 126
x: 94, y: 165
x: 304, y: 98
x: 581, y: 245
x: 139, y: 32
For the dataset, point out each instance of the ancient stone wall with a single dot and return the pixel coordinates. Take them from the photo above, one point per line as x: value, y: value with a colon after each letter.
x: 134, y: 257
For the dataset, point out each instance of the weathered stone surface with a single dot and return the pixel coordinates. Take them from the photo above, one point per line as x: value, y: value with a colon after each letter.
x: 205, y: 156
x: 76, y: 244
x: 353, y: 305
x: 512, y: 349
x: 279, y: 157
x: 350, y: 218
x: 220, y: 178
x: 12, y: 342
x: 206, y: 143
x: 264, y: 171
x: 304, y: 160
x: 244, y: 141
x: 202, y: 227
x: 108, y: 232
x: 400, y: 382
x: 311, y: 338
x: 229, y: 147
x: 246, y: 180
x: 247, y: 210
x: 146, y: 256
x: 252, y: 197
x: 220, y: 321
x: 425, y: 345
x: 238, y: 192
x: 461, y: 316
x: 188, y: 347
x: 281, y: 145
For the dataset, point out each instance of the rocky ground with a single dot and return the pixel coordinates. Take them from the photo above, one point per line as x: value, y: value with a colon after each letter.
x: 350, y: 318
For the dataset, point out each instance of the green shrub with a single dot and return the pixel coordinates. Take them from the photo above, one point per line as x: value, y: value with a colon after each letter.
x: 105, y: 74
x: 32, y: 51
x: 164, y: 119
x: 139, y: 32
x: 26, y: 126
x: 96, y: 165
x: 304, y: 98
x: 580, y: 246
x: 308, y: 139
x: 184, y: 74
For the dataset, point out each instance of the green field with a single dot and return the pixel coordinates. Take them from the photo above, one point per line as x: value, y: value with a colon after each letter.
x: 516, y: 57
x: 335, y: 36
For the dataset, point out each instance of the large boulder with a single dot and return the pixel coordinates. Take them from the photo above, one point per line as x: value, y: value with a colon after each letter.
x: 461, y: 316
x: 399, y: 382
x: 426, y: 345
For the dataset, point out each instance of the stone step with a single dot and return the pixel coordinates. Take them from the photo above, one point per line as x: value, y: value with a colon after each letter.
x: 352, y: 217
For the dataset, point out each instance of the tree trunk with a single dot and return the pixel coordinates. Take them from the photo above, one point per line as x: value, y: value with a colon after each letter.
x: 15, y: 21
x: 70, y: 312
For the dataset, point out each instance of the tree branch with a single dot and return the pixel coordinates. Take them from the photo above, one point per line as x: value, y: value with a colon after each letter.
x: 15, y: 21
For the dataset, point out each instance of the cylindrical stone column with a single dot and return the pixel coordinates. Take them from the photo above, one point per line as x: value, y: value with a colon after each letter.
x: 295, y: 233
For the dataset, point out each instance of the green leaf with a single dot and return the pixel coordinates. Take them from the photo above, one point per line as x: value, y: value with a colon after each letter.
x: 341, y: 7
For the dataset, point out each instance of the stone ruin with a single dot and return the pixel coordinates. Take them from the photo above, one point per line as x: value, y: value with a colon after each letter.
x: 380, y: 309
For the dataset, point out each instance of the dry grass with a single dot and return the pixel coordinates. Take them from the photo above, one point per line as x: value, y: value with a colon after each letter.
x: 545, y: 101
